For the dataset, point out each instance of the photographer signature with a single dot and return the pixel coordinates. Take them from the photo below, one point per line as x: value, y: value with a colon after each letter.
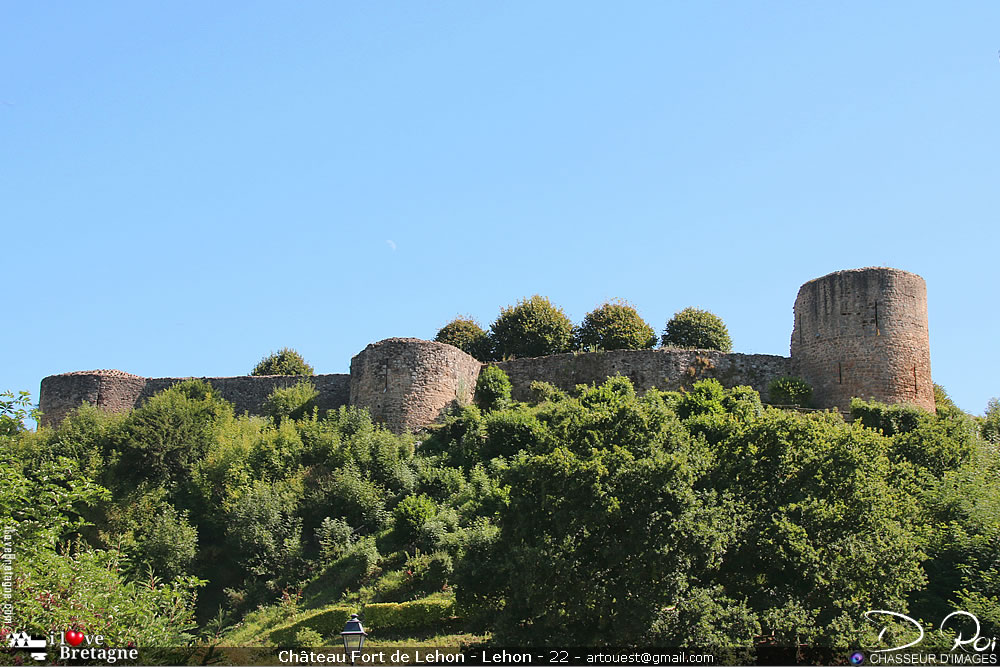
x: 976, y: 642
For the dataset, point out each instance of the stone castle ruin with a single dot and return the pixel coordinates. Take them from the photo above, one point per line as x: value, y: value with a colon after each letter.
x: 860, y: 332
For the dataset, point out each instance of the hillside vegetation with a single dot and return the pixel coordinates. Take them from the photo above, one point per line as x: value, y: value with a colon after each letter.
x: 701, y: 518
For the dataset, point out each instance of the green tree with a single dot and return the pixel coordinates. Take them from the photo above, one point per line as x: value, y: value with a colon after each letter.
x: 60, y: 582
x: 264, y: 531
x: 532, y: 328
x: 293, y: 402
x: 411, y: 514
x: 697, y: 329
x: 991, y: 424
x: 162, y: 439
x: 152, y: 534
x: 605, y: 509
x: 285, y: 361
x: 616, y: 325
x: 14, y: 410
x: 493, y: 388
x: 790, y: 391
x: 466, y: 334
x: 829, y: 529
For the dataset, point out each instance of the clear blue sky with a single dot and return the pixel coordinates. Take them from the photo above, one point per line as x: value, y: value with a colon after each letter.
x: 186, y: 186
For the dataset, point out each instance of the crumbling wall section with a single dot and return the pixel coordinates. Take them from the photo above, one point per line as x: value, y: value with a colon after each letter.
x: 666, y: 369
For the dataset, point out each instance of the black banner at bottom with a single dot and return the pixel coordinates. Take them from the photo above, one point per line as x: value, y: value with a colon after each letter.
x: 479, y: 656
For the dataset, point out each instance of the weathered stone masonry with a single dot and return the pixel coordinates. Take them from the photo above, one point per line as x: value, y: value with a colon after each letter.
x: 117, y: 391
x: 861, y: 332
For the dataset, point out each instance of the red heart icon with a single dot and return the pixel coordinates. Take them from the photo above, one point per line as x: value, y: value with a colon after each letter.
x: 73, y: 637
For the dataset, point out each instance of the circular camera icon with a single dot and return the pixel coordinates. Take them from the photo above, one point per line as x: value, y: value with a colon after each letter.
x: 857, y: 658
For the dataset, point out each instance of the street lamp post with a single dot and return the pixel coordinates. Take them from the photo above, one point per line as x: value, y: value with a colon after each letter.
x: 354, y: 636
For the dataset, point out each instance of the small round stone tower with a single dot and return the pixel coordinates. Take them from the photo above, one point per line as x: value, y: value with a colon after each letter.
x: 408, y: 383
x: 113, y: 390
x: 863, y: 333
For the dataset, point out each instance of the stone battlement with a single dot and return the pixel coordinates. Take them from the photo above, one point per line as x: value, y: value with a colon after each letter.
x: 860, y: 332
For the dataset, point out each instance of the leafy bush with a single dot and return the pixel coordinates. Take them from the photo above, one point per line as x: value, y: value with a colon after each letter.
x: 991, y: 424
x: 697, y: 329
x: 743, y: 403
x: 532, y: 328
x: 276, y: 452
x: 161, y: 440
x: 293, y: 402
x: 263, y: 529
x: 493, y: 388
x: 614, y: 326
x: 890, y: 419
x: 944, y: 406
x: 334, y: 537
x: 154, y: 536
x: 86, y: 590
x: 357, y: 499
x: 937, y: 445
x: 468, y: 336
x: 307, y: 638
x: 364, y: 555
x: 409, y: 616
x: 510, y: 431
x: 706, y: 397
x: 326, y: 622
x: 285, y: 361
x: 790, y: 391
x: 13, y: 411
x: 411, y: 514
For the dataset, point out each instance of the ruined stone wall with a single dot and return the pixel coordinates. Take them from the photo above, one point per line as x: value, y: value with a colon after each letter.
x: 408, y: 383
x: 119, y: 392
x: 667, y: 369
x: 247, y: 393
x: 864, y: 333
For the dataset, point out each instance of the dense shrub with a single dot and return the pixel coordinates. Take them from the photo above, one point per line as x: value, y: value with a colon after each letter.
x: 357, y: 499
x: 334, y: 537
x: 292, y: 402
x: 944, y: 406
x: 285, y: 361
x: 263, y: 529
x: 86, y: 590
x: 991, y: 424
x: 468, y: 336
x: 614, y: 326
x: 937, y: 445
x: 14, y: 410
x: 153, y: 535
x: 697, y: 329
x: 532, y: 328
x: 307, y: 638
x: 409, y: 616
x: 493, y: 389
x: 411, y: 514
x: 162, y: 439
x: 327, y: 622
x: 510, y: 431
x: 790, y: 391
x: 364, y: 556
x: 706, y: 397
x: 889, y: 419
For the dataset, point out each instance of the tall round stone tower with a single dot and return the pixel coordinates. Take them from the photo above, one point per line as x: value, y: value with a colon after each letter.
x: 863, y: 333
